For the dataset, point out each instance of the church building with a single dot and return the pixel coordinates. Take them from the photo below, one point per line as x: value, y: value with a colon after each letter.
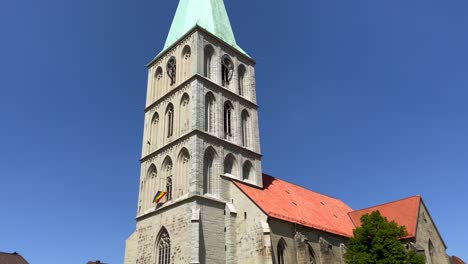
x: 201, y: 150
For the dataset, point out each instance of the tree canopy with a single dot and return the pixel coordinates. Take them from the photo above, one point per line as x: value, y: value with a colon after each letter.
x: 378, y: 241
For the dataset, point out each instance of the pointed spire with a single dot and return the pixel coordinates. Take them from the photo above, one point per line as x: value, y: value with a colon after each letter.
x: 211, y: 15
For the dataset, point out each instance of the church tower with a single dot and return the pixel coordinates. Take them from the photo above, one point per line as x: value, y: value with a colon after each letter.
x: 200, y: 132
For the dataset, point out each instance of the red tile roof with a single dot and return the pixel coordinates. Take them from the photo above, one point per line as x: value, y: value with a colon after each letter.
x: 457, y: 260
x: 286, y: 201
x: 404, y: 212
x: 12, y: 258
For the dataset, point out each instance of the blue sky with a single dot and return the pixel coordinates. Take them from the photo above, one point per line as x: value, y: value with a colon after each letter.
x: 361, y: 100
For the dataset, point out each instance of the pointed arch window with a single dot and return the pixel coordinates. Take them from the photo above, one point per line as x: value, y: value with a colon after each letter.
x: 229, y: 164
x: 184, y: 120
x: 247, y: 170
x: 209, y: 112
x: 164, y: 248
x: 281, y: 251
x: 241, y: 80
x: 245, y: 128
x: 311, y: 255
x: 227, y: 120
x: 207, y: 61
x: 171, y: 69
x: 157, y: 84
x: 182, y: 179
x: 170, y: 120
x: 153, y: 131
x: 167, y: 167
x: 227, y: 70
x: 208, y: 173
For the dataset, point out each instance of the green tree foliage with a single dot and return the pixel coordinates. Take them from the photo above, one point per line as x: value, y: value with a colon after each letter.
x: 377, y: 242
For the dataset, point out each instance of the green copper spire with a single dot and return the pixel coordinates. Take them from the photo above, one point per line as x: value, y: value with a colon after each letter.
x: 211, y: 15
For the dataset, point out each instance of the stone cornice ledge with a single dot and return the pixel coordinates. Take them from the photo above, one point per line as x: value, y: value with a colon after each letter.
x: 199, y: 133
x: 171, y: 204
x: 202, y: 79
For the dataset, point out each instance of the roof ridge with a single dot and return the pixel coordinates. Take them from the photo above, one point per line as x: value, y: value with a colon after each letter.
x: 326, y: 195
x: 387, y: 203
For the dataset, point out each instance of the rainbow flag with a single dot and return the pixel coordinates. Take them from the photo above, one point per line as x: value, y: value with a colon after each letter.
x: 159, y: 195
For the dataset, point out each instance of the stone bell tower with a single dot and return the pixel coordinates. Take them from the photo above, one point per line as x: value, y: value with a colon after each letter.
x: 201, y: 129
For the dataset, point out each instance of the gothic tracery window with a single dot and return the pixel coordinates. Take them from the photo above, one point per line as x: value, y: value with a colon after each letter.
x: 164, y: 248
x: 227, y: 70
x: 171, y: 69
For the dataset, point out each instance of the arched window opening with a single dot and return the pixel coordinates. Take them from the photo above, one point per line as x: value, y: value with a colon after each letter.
x: 227, y: 120
x: 241, y: 80
x: 207, y: 61
x: 311, y: 255
x: 209, y: 112
x: 245, y: 129
x: 208, y: 172
x: 164, y: 248
x: 171, y: 70
x: 152, y: 141
x: 182, y: 179
x: 230, y: 164
x: 184, y: 121
x: 157, y: 84
x: 227, y: 70
x: 186, y: 54
x: 169, y: 188
x: 170, y: 120
x: 167, y: 167
x: 281, y: 251
x: 247, y: 171
x: 150, y: 188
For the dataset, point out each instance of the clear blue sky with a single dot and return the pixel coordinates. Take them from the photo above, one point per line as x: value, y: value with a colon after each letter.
x: 361, y: 100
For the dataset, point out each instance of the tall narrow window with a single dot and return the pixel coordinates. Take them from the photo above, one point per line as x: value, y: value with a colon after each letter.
x: 152, y: 141
x: 184, y: 114
x: 281, y: 250
x: 209, y: 181
x: 171, y: 69
x: 227, y: 70
x: 245, y: 128
x: 150, y: 187
x: 167, y: 176
x: 207, y: 61
x: 169, y: 188
x: 182, y: 179
x: 227, y: 120
x: 241, y: 80
x: 157, y: 84
x: 209, y: 112
x: 164, y: 248
x: 170, y: 120
x: 186, y: 69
